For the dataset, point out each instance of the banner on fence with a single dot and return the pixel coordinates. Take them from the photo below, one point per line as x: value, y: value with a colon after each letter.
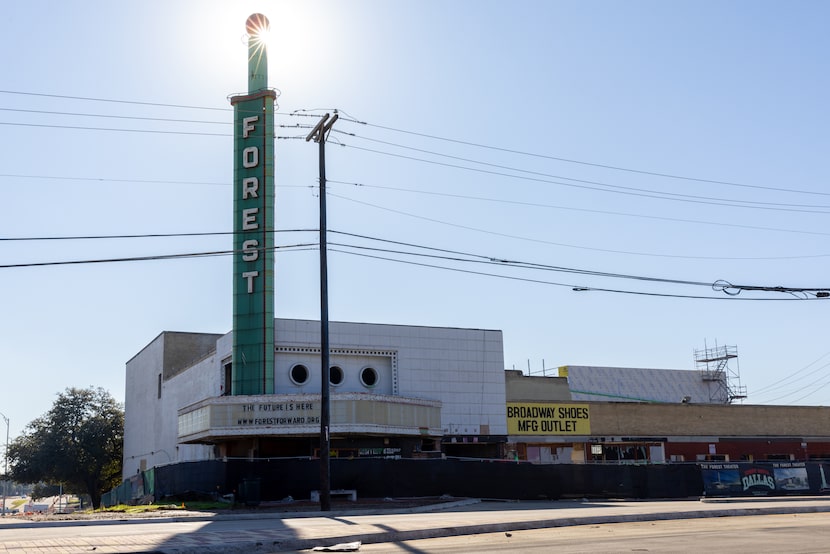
x: 763, y: 479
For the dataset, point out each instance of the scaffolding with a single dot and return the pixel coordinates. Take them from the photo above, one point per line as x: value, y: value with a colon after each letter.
x: 724, y: 379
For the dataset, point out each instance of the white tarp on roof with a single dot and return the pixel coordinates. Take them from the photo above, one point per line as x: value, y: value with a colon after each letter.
x: 632, y: 384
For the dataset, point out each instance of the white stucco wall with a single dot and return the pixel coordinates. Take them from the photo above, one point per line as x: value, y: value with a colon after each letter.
x: 200, y: 381
x: 141, y: 416
x: 150, y: 422
x: 462, y: 368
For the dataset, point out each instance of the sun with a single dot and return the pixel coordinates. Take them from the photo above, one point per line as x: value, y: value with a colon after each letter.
x: 257, y: 27
x: 259, y: 30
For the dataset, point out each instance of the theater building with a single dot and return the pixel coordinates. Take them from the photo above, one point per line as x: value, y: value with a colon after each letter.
x: 406, y: 392
x: 397, y: 391
x: 259, y: 392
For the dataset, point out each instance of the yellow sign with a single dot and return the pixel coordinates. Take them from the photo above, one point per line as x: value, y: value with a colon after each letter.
x: 548, y: 419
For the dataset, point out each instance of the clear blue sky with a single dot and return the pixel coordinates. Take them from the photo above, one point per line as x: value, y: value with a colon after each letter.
x: 531, y: 94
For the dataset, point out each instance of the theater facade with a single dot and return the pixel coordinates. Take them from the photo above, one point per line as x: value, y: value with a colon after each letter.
x: 396, y: 391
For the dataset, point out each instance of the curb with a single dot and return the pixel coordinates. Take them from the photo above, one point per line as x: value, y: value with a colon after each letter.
x: 399, y: 536
x: 29, y: 524
x: 733, y: 499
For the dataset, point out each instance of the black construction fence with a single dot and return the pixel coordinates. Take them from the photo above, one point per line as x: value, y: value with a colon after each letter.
x: 253, y: 481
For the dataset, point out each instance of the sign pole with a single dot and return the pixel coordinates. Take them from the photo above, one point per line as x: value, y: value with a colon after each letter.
x: 252, y: 368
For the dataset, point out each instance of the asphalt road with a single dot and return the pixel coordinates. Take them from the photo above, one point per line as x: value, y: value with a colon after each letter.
x: 528, y: 526
x: 791, y: 533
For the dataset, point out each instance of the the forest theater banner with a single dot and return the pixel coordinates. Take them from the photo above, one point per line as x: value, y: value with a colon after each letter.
x: 765, y: 478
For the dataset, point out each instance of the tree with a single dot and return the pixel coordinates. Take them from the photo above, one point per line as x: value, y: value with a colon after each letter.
x: 45, y: 490
x: 78, y: 443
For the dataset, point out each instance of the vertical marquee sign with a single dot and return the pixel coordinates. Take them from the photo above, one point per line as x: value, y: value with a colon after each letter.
x: 253, y: 223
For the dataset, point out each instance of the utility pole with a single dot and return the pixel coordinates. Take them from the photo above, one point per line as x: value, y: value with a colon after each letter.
x: 6, y: 470
x: 319, y: 134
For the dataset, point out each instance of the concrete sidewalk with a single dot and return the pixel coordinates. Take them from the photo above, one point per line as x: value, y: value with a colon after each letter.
x: 270, y: 532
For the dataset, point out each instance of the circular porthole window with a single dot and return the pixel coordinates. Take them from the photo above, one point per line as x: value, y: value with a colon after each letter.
x: 335, y: 375
x: 298, y: 374
x: 369, y: 377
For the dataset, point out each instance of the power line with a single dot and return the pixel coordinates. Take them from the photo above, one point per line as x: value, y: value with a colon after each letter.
x: 113, y: 180
x: 530, y: 239
x: 582, y: 162
x: 811, y: 393
x: 585, y: 181
x: 495, y: 200
x: 142, y: 236
x: 726, y: 287
x: 719, y: 286
x: 296, y: 113
x: 604, y: 212
x: 564, y: 245
x: 479, y: 258
x: 571, y: 286
x: 346, y: 118
x: 772, y: 387
x: 796, y: 391
x: 147, y: 258
x: 115, y: 101
x: 116, y: 260
x: 659, y: 196
x: 616, y: 188
x: 112, y: 116
x: 514, y: 264
x: 139, y: 181
x: 84, y: 128
x: 484, y: 199
x: 525, y: 265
